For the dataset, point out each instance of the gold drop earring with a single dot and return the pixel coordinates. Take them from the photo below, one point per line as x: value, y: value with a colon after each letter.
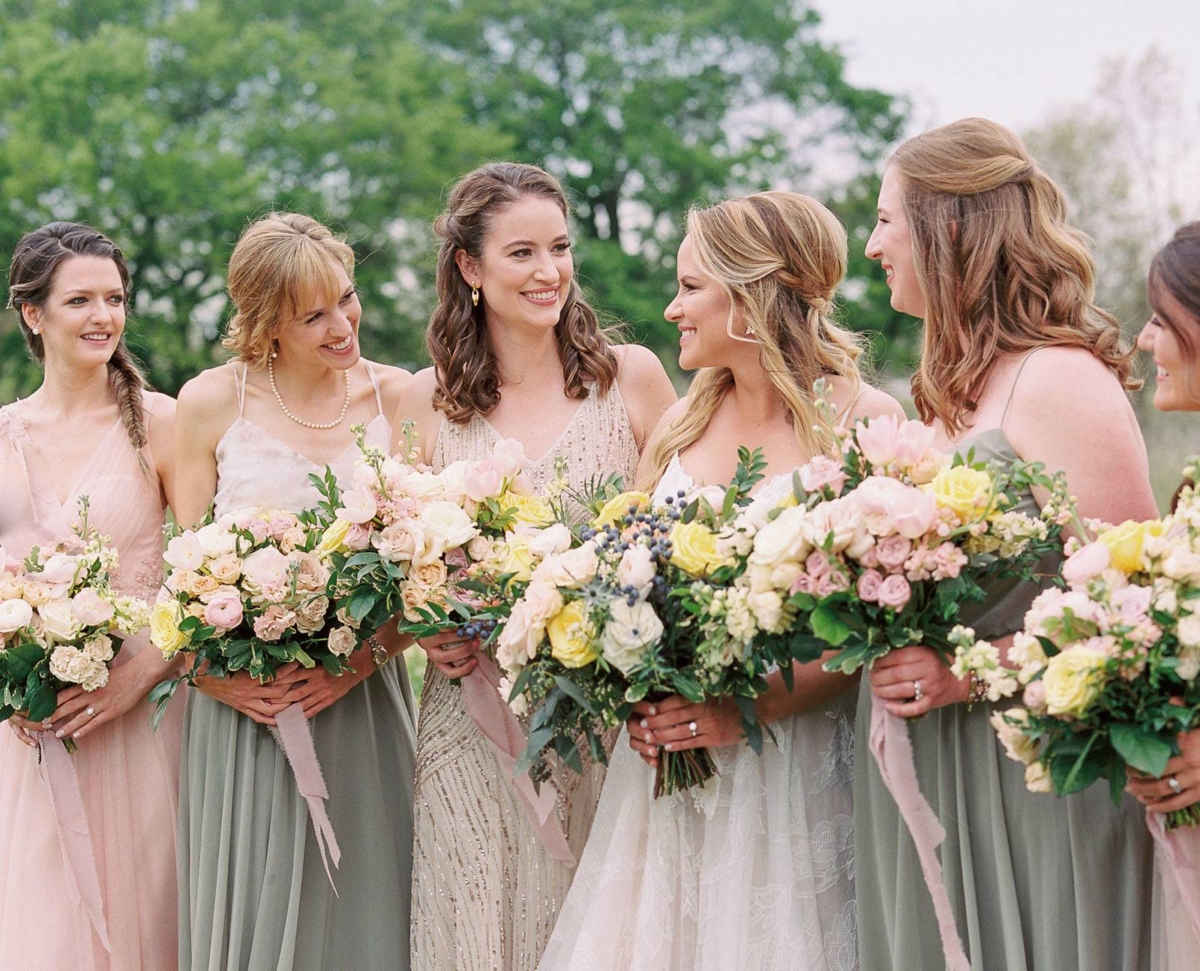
x: 474, y: 294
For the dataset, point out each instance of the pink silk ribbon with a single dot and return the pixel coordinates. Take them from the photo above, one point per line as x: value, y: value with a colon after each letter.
x: 892, y: 749
x: 292, y: 733
x: 481, y: 697
x: 1180, y: 863
x: 79, y: 856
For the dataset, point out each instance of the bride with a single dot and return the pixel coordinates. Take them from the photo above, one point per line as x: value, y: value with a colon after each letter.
x: 755, y: 870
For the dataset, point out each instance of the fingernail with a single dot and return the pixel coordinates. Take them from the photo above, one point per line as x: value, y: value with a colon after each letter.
x: 653, y: 710
x: 649, y: 736
x: 669, y: 747
x: 643, y: 723
x: 47, y: 723
x: 76, y: 735
x: 58, y: 734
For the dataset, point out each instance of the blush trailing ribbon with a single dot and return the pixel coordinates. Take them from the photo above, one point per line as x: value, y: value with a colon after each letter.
x: 1180, y: 858
x: 79, y: 855
x: 292, y: 733
x: 482, y: 699
x: 892, y: 749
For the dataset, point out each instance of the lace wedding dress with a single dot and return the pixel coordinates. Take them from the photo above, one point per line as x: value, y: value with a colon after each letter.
x: 755, y: 871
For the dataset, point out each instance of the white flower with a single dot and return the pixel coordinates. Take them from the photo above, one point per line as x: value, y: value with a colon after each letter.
x: 342, y: 641
x: 1017, y: 745
x: 782, y: 539
x: 14, y: 614
x: 452, y: 479
x: 555, y: 538
x: 446, y: 526
x: 1182, y: 565
x: 767, y: 607
x: 59, y: 621
x: 99, y: 648
x: 358, y: 505
x: 628, y: 633
x: 1037, y: 779
x: 1188, y: 630
x: 61, y: 568
x: 216, y: 540
x: 1026, y: 651
x: 521, y: 634
x: 69, y: 665
x: 636, y: 569
x: 571, y: 569
x: 95, y: 675
x: 184, y: 552
x: 1189, y: 663
x: 519, y: 704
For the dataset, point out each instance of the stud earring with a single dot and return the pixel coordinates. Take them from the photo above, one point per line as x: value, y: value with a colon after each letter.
x: 475, y: 295
x: 35, y: 331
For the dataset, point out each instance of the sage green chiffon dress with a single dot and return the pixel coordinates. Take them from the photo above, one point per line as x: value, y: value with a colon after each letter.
x: 252, y: 888
x: 1037, y: 882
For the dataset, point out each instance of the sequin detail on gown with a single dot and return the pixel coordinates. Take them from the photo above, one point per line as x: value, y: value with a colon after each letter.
x: 485, y: 892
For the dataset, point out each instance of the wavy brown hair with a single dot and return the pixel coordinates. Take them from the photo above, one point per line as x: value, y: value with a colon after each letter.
x: 1001, y: 270
x: 779, y: 256
x: 38, y: 257
x: 1175, y: 269
x: 281, y: 263
x: 468, y: 375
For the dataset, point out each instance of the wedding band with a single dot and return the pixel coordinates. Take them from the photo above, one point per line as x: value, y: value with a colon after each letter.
x: 692, y: 726
x: 91, y: 712
x: 1174, y: 784
x: 918, y: 694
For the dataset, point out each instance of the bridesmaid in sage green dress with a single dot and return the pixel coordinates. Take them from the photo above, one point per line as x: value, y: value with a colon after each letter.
x: 1017, y: 363
x: 253, y: 892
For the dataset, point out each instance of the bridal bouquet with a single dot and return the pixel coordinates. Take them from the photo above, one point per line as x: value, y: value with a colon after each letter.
x: 602, y: 620
x: 61, y: 624
x: 1110, y: 664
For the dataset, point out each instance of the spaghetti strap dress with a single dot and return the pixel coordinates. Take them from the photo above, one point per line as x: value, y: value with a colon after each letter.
x: 128, y: 773
x: 253, y: 892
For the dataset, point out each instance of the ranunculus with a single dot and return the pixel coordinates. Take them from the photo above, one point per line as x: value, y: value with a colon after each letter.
x: 342, y: 641
x: 273, y: 622
x: 165, y: 617
x: 91, y: 608
x: 965, y: 491
x: 358, y: 505
x: 1073, y: 681
x: 636, y: 569
x: 10, y: 586
x: 822, y: 471
x: 890, y: 506
x: 184, y: 552
x: 628, y: 634
x: 60, y: 568
x: 14, y: 614
x: 868, y: 586
x: 224, y: 611
x: 894, y: 592
x: 59, y: 621
x: 508, y: 457
x: 782, y: 539
x: 618, y: 507
x: 1125, y: 543
x: 694, y: 549
x: 571, y: 636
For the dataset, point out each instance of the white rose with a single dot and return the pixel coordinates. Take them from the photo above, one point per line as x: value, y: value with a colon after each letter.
x: 628, y: 634
x: 553, y: 539
x: 216, y: 540
x: 99, y: 648
x: 59, y: 620
x: 452, y: 478
x: 14, y: 614
x: 342, y: 641
x: 571, y: 569
x: 446, y: 526
x: 782, y: 539
x: 636, y: 569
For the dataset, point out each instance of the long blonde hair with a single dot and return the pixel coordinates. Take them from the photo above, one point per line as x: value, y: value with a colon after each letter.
x: 1001, y: 270
x: 780, y: 256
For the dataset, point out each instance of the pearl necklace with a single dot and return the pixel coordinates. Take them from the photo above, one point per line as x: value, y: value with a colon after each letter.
x: 300, y: 421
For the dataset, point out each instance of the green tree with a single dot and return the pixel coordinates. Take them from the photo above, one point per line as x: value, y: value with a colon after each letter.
x: 169, y: 125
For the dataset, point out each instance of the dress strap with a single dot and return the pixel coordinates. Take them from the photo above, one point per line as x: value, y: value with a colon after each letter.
x: 1013, y: 390
x: 849, y: 409
x: 375, y: 385
x: 239, y: 380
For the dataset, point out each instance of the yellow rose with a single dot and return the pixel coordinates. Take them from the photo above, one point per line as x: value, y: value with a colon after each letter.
x: 618, y: 507
x: 964, y: 491
x: 516, y: 558
x: 571, y: 636
x: 164, y: 628
x: 527, y: 509
x: 1073, y: 680
x: 334, y: 537
x: 694, y: 549
x: 1125, y: 543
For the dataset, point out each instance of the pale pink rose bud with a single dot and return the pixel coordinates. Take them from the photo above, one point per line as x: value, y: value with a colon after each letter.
x: 868, y: 586
x: 358, y: 537
x: 820, y: 472
x: 892, y: 551
x: 894, y: 592
x: 817, y: 564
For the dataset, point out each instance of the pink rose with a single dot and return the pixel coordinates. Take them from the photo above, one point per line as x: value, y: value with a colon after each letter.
x: 508, y: 457
x: 868, y: 586
x: 273, y: 623
x: 90, y: 608
x: 839, y: 581
x: 483, y: 482
x: 890, y: 506
x: 894, y: 592
x: 804, y: 584
x: 358, y: 537
x: 892, y: 551
x: 817, y: 564
x: 1035, y: 696
x: 824, y: 586
x: 224, y: 611
x: 1086, y: 563
x: 820, y: 472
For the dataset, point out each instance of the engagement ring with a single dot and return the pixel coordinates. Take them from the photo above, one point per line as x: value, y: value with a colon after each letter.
x: 692, y: 728
x: 918, y: 694
x: 90, y: 711
x: 1174, y: 784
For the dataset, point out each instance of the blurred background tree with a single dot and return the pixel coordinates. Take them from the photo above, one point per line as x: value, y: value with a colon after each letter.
x: 169, y: 124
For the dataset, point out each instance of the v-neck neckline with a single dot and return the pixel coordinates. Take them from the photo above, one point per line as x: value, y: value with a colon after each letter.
x: 77, y: 484
x: 557, y: 441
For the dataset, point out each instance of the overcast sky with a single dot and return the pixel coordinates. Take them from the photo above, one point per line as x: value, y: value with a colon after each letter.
x: 1014, y: 61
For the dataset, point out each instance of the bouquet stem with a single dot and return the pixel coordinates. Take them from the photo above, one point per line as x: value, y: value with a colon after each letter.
x: 1184, y: 817
x: 680, y: 771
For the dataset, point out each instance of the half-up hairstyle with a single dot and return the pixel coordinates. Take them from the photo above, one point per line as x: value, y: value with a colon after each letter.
x: 283, y: 262
x: 780, y: 256
x: 36, y: 261
x: 468, y: 375
x: 1175, y: 270
x: 1001, y: 270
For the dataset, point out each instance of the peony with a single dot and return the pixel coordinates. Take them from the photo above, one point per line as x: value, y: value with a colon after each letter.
x: 1073, y: 681
x: 965, y: 491
x: 618, y: 507
x: 1086, y: 563
x: 628, y: 634
x: 223, y: 611
x: 694, y: 549
x: 894, y: 592
x: 14, y: 614
x: 890, y: 506
x: 60, y: 568
x: 571, y: 636
x: 184, y: 552
x: 59, y: 621
x: 358, y: 505
x: 822, y: 472
x: 1125, y: 543
x: 342, y: 641
x: 781, y: 540
x: 164, y: 628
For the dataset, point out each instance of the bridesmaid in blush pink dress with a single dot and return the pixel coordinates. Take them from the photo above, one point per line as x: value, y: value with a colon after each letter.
x: 90, y: 429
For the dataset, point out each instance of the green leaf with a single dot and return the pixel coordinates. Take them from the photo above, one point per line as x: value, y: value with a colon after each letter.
x: 828, y: 626
x: 361, y: 603
x: 1143, y: 750
x: 41, y: 702
x: 572, y: 690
